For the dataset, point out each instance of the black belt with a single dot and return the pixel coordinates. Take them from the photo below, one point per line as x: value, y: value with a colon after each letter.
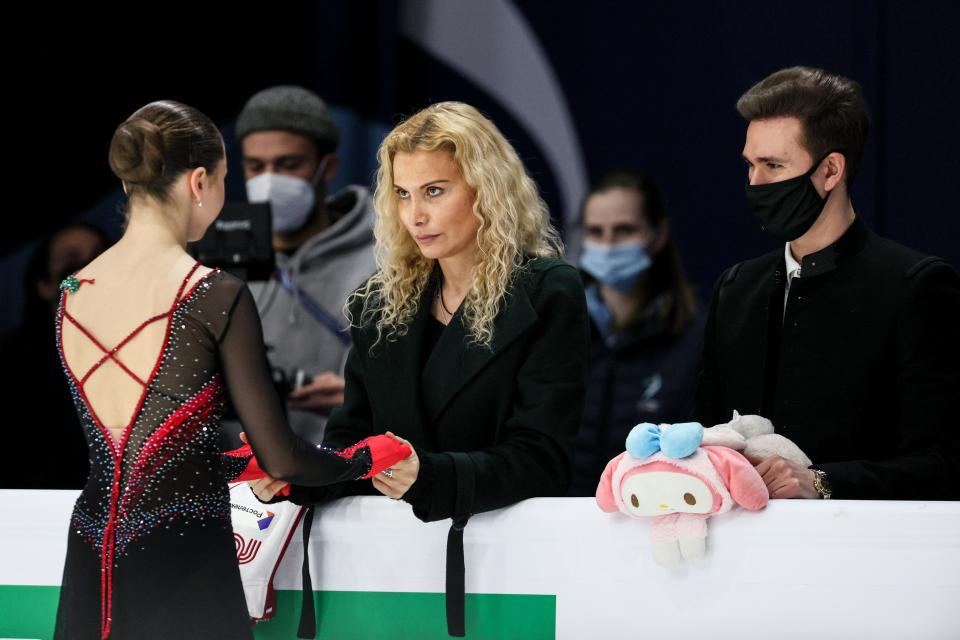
x: 456, y: 591
x: 455, y: 582
x: 308, y: 616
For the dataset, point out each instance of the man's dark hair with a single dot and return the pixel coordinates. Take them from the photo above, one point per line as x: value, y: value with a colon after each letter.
x: 830, y: 108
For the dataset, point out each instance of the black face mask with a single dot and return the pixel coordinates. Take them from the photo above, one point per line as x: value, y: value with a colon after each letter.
x: 787, y: 209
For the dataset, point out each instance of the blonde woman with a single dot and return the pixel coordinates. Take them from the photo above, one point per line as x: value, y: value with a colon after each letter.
x: 471, y: 340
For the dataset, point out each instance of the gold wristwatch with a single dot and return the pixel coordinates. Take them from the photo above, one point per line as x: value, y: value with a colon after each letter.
x: 821, y: 484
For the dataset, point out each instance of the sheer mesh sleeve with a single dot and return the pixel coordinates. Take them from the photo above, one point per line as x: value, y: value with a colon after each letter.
x: 280, y: 452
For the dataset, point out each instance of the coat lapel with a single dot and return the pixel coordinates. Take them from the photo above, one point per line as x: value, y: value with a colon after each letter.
x: 769, y: 317
x: 402, y: 357
x: 453, y: 364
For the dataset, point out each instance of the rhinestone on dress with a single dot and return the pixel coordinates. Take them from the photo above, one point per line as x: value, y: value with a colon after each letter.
x: 70, y: 283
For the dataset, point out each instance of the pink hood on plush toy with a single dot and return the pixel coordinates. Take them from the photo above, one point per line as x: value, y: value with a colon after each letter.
x: 718, y: 474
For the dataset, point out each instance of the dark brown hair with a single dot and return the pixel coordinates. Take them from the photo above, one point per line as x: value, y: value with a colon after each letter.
x: 666, y: 275
x: 158, y: 143
x: 831, y: 109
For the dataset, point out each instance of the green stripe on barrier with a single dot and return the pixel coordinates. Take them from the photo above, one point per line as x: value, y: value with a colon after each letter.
x: 29, y: 611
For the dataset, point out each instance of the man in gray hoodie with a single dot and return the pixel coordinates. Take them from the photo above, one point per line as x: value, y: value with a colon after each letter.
x: 323, y: 245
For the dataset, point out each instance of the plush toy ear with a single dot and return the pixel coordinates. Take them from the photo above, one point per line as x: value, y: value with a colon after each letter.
x: 774, y: 444
x: 723, y: 436
x: 745, y: 485
x: 751, y: 426
x: 605, y: 499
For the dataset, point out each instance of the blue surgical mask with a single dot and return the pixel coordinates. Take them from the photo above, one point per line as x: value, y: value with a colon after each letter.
x: 618, y: 265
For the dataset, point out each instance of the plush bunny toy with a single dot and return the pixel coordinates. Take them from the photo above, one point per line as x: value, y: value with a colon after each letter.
x: 680, y: 475
x: 758, y: 439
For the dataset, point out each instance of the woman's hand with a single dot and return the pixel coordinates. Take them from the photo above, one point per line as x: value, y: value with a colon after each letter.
x: 266, y: 487
x: 404, y: 473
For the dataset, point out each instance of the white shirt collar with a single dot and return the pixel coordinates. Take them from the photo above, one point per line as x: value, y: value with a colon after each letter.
x: 793, y: 267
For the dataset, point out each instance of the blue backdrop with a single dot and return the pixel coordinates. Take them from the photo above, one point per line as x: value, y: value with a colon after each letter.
x: 577, y: 87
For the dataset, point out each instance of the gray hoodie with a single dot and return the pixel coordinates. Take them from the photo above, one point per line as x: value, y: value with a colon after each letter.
x: 328, y: 267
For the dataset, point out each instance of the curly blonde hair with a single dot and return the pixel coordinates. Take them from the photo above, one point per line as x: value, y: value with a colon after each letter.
x: 513, y: 221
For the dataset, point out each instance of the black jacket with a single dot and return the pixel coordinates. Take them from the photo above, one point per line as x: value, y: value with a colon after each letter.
x: 516, y: 409
x: 645, y: 374
x: 860, y: 370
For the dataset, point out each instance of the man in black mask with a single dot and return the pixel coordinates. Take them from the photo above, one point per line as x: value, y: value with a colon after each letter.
x: 848, y: 342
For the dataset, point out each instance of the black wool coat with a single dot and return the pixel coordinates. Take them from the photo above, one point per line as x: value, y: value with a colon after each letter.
x: 860, y: 370
x: 514, y: 409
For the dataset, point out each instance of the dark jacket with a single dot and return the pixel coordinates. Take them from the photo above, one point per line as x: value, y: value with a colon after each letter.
x: 860, y: 371
x: 516, y: 409
x: 35, y: 381
x: 642, y: 373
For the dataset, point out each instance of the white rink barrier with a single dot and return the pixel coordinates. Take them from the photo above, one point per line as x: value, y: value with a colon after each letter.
x: 560, y: 568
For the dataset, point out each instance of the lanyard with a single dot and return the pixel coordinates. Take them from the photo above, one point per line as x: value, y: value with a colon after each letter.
x: 315, y: 309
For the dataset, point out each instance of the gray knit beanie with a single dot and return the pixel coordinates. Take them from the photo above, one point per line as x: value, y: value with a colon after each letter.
x: 288, y: 108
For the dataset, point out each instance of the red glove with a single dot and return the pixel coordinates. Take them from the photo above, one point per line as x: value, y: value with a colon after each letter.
x: 252, y: 471
x: 384, y: 452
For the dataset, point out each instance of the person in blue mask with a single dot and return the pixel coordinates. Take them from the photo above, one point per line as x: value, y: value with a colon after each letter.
x: 646, y: 327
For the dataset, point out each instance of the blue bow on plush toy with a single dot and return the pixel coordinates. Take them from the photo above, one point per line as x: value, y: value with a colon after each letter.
x: 676, y: 441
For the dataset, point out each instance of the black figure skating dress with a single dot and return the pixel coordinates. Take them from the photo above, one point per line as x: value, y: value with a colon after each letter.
x: 151, y: 551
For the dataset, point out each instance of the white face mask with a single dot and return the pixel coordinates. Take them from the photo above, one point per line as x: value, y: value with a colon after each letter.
x: 291, y: 199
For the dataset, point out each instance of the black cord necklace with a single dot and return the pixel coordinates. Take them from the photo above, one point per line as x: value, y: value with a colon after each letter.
x: 440, y: 295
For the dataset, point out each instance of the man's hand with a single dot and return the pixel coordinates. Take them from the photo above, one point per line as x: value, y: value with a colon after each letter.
x: 786, y: 479
x: 321, y: 394
x: 404, y: 473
